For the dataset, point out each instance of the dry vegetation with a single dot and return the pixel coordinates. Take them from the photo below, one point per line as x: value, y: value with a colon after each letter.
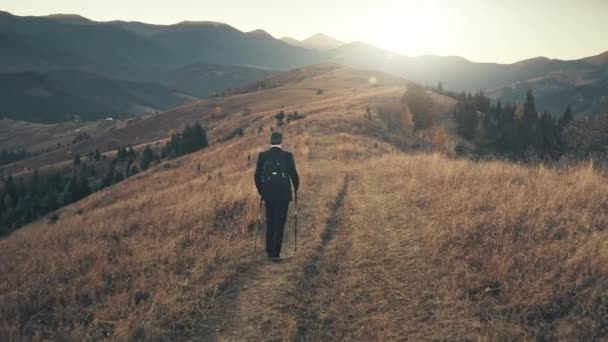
x: 393, y: 245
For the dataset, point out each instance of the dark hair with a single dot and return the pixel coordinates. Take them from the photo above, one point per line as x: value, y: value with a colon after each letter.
x: 276, y: 138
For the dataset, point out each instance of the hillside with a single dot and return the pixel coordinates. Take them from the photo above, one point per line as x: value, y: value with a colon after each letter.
x: 203, y: 79
x: 394, y: 243
x: 67, y: 95
x: 342, y: 90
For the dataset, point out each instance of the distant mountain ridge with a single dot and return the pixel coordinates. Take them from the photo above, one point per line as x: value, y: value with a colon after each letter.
x: 318, y: 41
x: 152, y: 53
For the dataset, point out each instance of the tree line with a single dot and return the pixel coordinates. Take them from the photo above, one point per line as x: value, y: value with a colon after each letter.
x: 514, y: 131
x: 27, y: 198
x: 7, y: 157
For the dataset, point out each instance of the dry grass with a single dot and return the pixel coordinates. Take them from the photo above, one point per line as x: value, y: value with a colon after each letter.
x: 443, y: 249
x: 412, y: 246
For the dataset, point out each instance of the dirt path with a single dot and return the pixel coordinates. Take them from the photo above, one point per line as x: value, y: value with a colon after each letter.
x: 360, y: 272
x: 254, y: 306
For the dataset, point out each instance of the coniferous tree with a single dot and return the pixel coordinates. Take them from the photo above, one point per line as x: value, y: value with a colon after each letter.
x: 147, y: 157
x: 71, y: 192
x: 134, y: 170
x: 566, y: 118
x: 85, y: 188
x: 466, y: 118
x: 35, y: 184
x: 119, y: 177
x: 200, y: 136
x: 108, y: 179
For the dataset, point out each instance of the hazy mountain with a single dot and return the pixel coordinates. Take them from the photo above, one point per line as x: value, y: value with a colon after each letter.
x: 42, y: 44
x: 581, y: 83
x: 215, y: 43
x: 556, y: 83
x: 70, y: 18
x: 291, y: 41
x: 318, y: 41
x: 65, y: 95
x: 153, y: 53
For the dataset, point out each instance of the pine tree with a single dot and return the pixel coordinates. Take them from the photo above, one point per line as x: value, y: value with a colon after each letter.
x: 119, y: 177
x: 132, y: 154
x: 566, y: 118
x: 134, y: 170
x: 97, y: 155
x: 108, y: 179
x: 466, y: 119
x: 11, y: 189
x: 85, y: 188
x: 71, y: 192
x: 35, y: 185
x: 50, y: 202
x: 530, y: 126
x: 200, y: 136
x: 148, y: 156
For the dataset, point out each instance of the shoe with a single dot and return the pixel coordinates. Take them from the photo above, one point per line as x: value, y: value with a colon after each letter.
x: 276, y: 259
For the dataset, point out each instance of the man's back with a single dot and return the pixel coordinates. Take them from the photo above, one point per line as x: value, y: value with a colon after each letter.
x: 286, y: 165
x: 274, y: 176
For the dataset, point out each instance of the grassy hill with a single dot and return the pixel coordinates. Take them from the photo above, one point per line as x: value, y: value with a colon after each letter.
x: 394, y: 243
x: 325, y: 90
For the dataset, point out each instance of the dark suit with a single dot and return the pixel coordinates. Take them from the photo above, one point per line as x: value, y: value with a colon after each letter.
x: 276, y: 200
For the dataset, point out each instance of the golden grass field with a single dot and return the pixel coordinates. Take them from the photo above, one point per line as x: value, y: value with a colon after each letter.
x: 393, y: 243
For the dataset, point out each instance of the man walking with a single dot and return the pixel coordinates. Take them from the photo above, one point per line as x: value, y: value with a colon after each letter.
x: 274, y: 175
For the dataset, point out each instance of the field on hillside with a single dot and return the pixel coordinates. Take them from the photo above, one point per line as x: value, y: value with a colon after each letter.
x: 394, y: 243
x: 328, y: 92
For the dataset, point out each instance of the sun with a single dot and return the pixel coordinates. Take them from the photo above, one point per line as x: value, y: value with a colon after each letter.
x: 409, y: 27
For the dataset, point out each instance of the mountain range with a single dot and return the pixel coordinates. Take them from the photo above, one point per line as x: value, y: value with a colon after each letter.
x: 198, y: 58
x: 318, y: 41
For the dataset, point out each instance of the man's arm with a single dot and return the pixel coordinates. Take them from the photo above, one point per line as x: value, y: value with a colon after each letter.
x: 293, y: 173
x: 257, y: 177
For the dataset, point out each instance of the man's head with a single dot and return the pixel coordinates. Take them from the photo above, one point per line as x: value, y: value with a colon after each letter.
x: 276, y: 138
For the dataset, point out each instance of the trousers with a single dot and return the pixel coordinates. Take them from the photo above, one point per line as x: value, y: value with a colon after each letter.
x: 276, y: 216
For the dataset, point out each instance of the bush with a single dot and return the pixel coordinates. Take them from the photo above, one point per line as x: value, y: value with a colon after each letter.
x: 294, y: 116
x: 53, y: 218
x: 280, y: 116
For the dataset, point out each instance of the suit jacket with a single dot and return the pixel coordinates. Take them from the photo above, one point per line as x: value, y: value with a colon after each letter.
x: 273, y: 154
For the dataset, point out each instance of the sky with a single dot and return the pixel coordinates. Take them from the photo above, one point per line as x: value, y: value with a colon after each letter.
x: 503, y: 31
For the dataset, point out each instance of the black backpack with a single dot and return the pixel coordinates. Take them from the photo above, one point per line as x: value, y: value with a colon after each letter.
x: 275, y: 177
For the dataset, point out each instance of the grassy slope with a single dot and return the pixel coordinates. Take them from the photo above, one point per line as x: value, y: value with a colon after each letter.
x: 392, y: 244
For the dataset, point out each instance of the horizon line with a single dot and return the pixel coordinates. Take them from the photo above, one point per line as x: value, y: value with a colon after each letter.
x: 600, y: 53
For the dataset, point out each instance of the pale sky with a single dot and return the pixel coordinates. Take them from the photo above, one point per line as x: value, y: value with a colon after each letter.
x: 480, y: 30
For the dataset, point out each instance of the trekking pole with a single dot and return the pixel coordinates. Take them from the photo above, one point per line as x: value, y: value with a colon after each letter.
x: 295, y: 240
x: 257, y: 227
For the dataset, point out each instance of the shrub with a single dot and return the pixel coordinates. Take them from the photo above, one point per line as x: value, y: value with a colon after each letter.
x: 280, y: 116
